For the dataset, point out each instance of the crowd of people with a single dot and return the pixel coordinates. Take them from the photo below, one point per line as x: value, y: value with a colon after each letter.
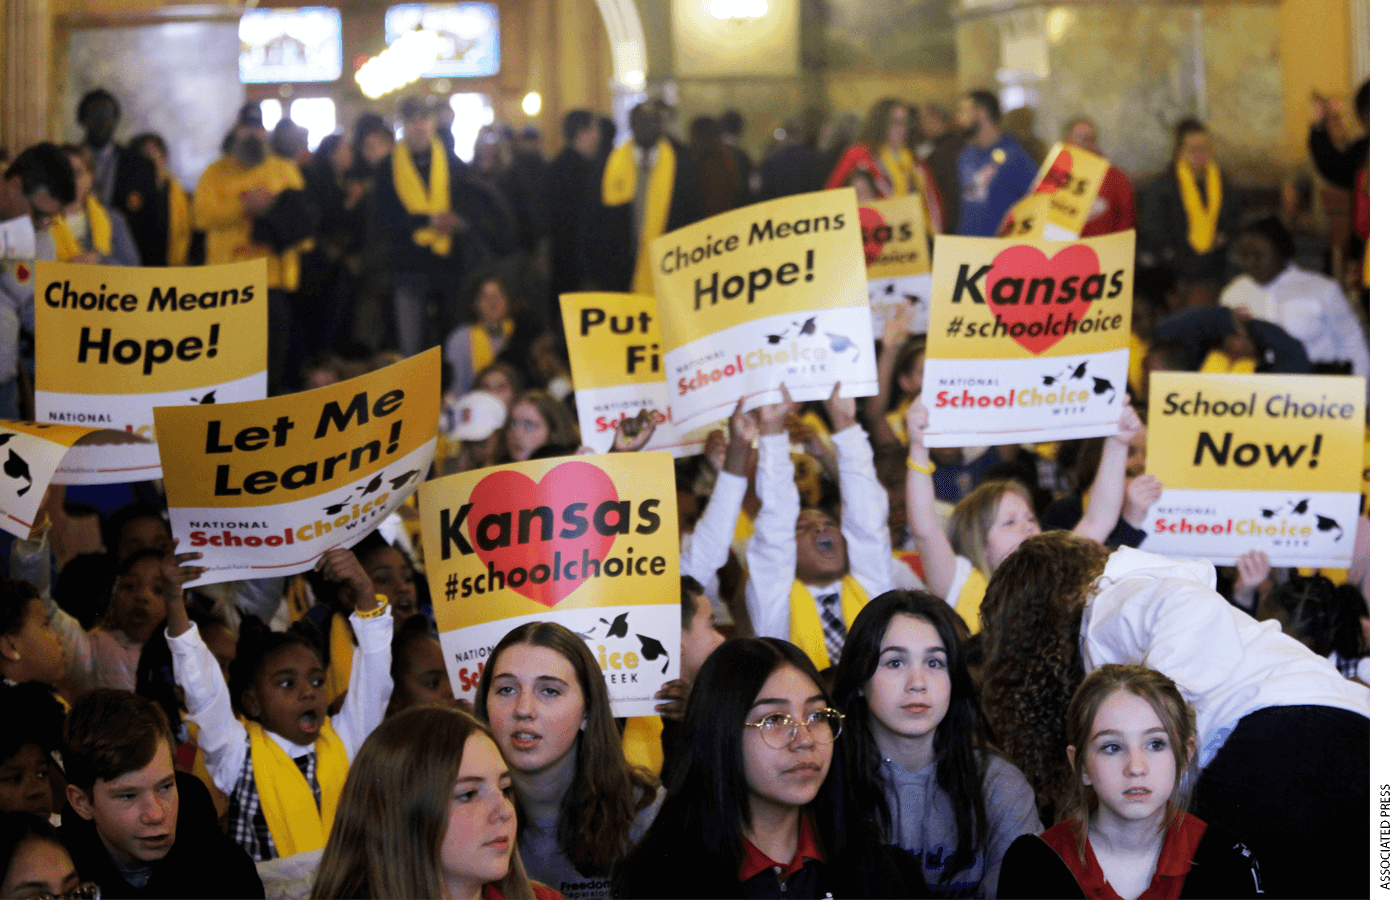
x: 904, y: 671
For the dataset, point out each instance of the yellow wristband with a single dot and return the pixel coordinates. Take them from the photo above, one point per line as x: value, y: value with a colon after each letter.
x: 926, y: 468
x: 378, y: 611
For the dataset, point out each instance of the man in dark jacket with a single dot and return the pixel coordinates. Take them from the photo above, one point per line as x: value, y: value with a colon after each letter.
x: 123, y: 178
x: 567, y: 181
x: 613, y: 250
x: 126, y: 829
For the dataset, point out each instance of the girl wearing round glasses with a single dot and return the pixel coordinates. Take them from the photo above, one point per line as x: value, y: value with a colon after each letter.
x: 34, y: 864
x: 760, y: 808
x: 920, y: 762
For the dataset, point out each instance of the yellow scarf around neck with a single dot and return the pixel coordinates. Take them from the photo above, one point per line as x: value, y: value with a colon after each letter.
x: 287, y: 802
x: 805, y: 622
x: 65, y: 245
x: 904, y: 175
x: 483, y: 353
x: 178, y: 241
x: 969, y: 604
x: 620, y: 186
x: 1201, y: 218
x: 641, y: 742
x: 424, y: 201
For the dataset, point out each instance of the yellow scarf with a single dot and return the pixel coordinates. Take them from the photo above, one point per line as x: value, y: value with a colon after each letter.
x: 65, y: 245
x: 483, y: 354
x: 620, y: 186
x: 287, y: 802
x: 641, y: 743
x: 970, y: 600
x: 901, y: 169
x: 342, y: 655
x: 1200, y: 219
x: 1218, y: 363
x: 420, y: 201
x: 805, y: 622
x: 178, y: 243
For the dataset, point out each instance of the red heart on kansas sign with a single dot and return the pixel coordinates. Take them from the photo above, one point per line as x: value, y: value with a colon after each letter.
x: 870, y: 220
x: 1023, y: 286
x: 497, y: 502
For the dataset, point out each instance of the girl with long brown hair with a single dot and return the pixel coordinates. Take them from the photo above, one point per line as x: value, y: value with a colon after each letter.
x: 427, y: 813
x: 581, y: 804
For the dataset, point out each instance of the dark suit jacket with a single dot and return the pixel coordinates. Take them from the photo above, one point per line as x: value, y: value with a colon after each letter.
x: 136, y: 196
x: 607, y: 249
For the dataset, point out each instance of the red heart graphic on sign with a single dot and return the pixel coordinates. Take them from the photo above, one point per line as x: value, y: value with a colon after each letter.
x: 869, y: 221
x: 1017, y: 268
x: 1058, y: 176
x: 501, y: 496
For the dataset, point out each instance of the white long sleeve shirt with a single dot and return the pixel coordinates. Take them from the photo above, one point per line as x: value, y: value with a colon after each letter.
x: 1311, y: 308
x: 225, y: 741
x: 708, y: 548
x: 772, y: 551
x: 1154, y: 611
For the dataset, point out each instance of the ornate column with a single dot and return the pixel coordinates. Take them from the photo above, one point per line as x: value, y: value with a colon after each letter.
x: 24, y: 72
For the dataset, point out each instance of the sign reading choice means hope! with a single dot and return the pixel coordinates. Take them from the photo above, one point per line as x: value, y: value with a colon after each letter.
x: 265, y: 487
x: 588, y: 542
x: 1063, y: 195
x: 615, y: 347
x: 895, y: 236
x: 765, y: 295
x: 1256, y: 462
x: 1028, y: 340
x: 112, y: 343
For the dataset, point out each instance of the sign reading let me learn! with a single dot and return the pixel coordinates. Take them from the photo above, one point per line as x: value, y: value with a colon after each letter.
x: 1256, y: 462
x: 762, y: 296
x: 1028, y: 340
x: 112, y: 343
x: 265, y: 487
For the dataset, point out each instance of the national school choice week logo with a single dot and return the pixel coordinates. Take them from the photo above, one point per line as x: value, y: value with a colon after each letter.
x: 351, y: 513
x: 1077, y: 385
x: 1039, y: 301
x: 808, y: 350
x: 1289, y: 520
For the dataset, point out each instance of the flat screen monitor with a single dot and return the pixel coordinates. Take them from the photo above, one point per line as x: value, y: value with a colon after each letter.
x: 472, y: 32
x: 281, y: 45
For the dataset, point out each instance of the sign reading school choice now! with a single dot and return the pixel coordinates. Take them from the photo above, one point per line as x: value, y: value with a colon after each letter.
x: 112, y: 343
x: 1028, y: 340
x: 589, y: 542
x: 1266, y: 462
x: 615, y: 347
x: 761, y: 296
x: 265, y: 487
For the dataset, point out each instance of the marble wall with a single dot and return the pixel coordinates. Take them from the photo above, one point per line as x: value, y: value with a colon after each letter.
x: 1137, y: 69
x: 179, y: 79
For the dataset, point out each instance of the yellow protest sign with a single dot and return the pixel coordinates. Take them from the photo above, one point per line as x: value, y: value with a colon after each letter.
x: 112, y: 343
x: 32, y: 453
x: 1063, y: 195
x: 895, y: 235
x: 589, y: 542
x: 1268, y: 462
x: 265, y: 487
x: 769, y: 294
x: 1028, y: 340
x: 615, y: 354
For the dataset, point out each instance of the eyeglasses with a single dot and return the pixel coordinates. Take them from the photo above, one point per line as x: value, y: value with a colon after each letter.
x: 88, y: 890
x: 779, y: 730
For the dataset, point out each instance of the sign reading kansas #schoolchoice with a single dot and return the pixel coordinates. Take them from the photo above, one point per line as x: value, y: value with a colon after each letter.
x: 615, y: 350
x: 766, y: 295
x: 588, y: 542
x: 265, y: 487
x: 1257, y: 462
x: 111, y: 343
x: 1028, y: 340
